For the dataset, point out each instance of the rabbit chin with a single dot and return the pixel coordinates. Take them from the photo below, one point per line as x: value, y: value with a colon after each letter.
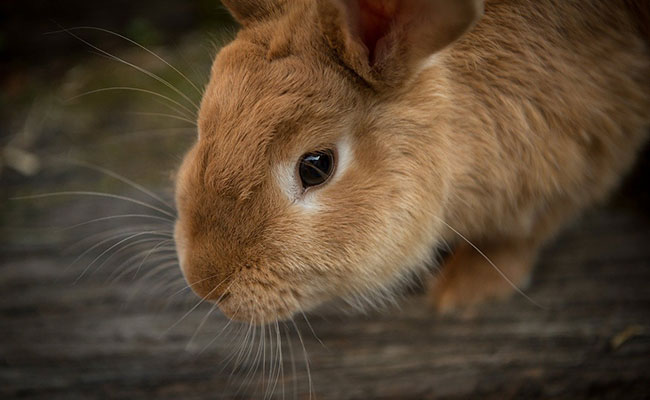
x: 245, y: 305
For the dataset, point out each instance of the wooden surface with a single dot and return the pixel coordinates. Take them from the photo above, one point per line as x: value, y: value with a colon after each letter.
x: 95, y: 339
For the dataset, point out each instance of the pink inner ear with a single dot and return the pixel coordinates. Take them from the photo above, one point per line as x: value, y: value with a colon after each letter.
x: 375, y: 19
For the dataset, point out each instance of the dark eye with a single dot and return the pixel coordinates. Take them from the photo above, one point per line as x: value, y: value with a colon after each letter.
x: 316, y: 167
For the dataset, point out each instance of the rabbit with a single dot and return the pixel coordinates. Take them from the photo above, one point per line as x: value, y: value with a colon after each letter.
x: 341, y: 142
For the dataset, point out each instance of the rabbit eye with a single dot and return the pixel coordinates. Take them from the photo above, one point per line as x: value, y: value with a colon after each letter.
x: 316, y: 167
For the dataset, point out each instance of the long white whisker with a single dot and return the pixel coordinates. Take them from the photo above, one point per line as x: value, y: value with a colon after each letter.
x: 248, y: 379
x: 143, y: 48
x: 236, y: 355
x: 310, y: 328
x: 140, y: 69
x: 503, y: 275
x: 112, y: 217
x: 280, y: 375
x: 304, y: 352
x: 196, y: 305
x: 135, y: 89
x: 192, y: 284
x: 157, y: 114
x: 175, y: 110
x: 221, y: 332
x: 198, y: 328
x: 271, y: 363
x: 122, y: 179
x: 273, y: 367
x: 94, y: 194
x: 150, y: 274
x: 141, y: 253
x: 126, y: 265
x: 112, y: 247
x: 294, y: 380
x: 101, y: 242
x: 263, y: 380
x: 149, y: 253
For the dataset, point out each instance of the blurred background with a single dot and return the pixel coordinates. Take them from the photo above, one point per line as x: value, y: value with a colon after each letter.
x: 97, y: 106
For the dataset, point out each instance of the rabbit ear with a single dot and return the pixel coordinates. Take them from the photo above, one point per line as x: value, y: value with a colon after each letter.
x: 248, y: 11
x: 384, y: 41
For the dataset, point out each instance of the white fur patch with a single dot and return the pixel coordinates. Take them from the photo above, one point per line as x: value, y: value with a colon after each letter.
x: 285, y: 175
x: 428, y: 63
x: 344, y: 149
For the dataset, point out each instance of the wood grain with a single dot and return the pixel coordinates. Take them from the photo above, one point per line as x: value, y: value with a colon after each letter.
x: 97, y: 339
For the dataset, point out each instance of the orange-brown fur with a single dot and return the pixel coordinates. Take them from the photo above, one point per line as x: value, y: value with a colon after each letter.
x: 511, y: 130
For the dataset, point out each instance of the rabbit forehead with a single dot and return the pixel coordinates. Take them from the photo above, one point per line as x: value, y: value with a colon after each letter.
x: 255, y: 110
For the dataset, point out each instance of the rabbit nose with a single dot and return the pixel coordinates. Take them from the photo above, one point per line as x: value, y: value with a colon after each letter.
x: 207, y: 279
x: 210, y: 288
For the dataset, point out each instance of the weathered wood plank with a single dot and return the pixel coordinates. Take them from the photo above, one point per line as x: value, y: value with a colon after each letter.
x: 96, y: 340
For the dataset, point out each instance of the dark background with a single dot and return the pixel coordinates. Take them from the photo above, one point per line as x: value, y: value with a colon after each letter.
x: 116, y: 322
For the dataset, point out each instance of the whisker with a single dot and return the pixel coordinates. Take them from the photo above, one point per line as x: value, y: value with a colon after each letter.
x: 122, y: 179
x: 112, y: 217
x: 140, y: 69
x: 249, y: 353
x: 198, y: 91
x: 128, y: 135
x: 196, y: 305
x: 161, y: 268
x: 294, y: 380
x: 126, y: 265
x: 503, y: 275
x: 112, y: 247
x: 250, y: 375
x: 94, y: 194
x: 163, y: 115
x: 222, y: 331
x: 173, y: 282
x: 203, y: 321
x: 310, y: 328
x: 101, y: 242
x: 192, y: 284
x: 216, y: 303
x: 271, y: 364
x: 263, y: 354
x: 280, y: 375
x: 263, y: 382
x: 157, y: 246
x: 274, y: 368
x: 239, y: 350
x: 107, y: 235
x: 304, y: 352
x: 175, y: 110
x: 135, y: 89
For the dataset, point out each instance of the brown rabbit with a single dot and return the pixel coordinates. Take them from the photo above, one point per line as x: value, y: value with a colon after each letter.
x: 341, y: 141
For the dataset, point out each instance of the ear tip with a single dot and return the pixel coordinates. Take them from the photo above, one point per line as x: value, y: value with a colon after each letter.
x: 475, y: 8
x: 479, y: 7
x: 247, y: 11
x: 474, y: 11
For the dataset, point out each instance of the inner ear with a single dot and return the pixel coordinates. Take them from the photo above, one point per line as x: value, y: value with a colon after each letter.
x: 374, y: 21
x: 384, y: 40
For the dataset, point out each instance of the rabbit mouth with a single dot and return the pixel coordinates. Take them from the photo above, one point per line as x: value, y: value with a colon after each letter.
x: 256, y: 309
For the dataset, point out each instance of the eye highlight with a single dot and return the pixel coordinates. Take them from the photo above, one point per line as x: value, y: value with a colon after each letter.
x: 316, y: 167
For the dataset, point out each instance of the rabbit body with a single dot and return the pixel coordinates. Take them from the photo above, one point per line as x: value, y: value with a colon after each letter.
x: 486, y: 125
